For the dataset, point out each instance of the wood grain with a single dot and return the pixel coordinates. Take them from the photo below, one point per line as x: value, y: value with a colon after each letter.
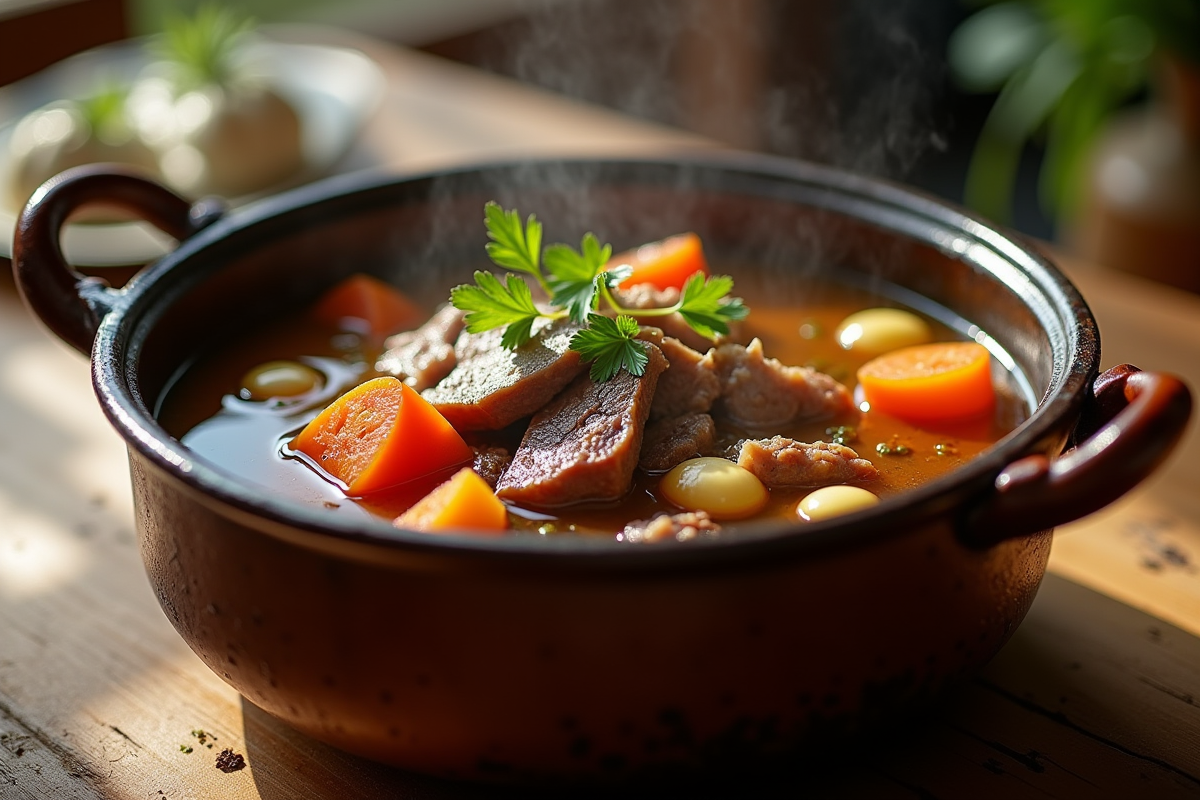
x: 1145, y: 548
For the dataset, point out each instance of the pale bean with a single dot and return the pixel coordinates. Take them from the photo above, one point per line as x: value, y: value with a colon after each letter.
x: 875, y: 331
x: 715, y: 485
x: 279, y: 379
x: 833, y: 501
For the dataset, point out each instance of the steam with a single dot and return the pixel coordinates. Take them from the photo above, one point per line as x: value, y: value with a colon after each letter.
x: 850, y: 84
x: 847, y: 83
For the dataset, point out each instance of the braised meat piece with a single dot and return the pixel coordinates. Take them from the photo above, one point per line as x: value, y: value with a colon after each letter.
x: 665, y: 527
x: 424, y: 356
x: 667, y: 442
x: 492, y: 387
x: 760, y: 392
x: 689, y: 385
x: 585, y: 444
x: 490, y: 463
x: 780, y: 461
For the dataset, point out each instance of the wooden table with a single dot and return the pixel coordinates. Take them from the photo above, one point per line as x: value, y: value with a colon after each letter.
x: 1096, y: 695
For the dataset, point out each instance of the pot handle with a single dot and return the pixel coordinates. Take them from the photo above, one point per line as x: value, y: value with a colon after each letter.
x: 69, y: 303
x: 1126, y: 430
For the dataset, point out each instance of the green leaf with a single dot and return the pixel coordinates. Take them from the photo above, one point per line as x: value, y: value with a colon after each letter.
x: 564, y: 263
x: 610, y: 345
x: 706, y: 306
x: 595, y: 254
x: 517, y: 333
x: 990, y: 45
x: 613, y: 278
x: 1027, y: 99
x: 105, y: 112
x: 490, y: 304
x: 1072, y: 130
x: 579, y: 298
x: 573, y: 275
x: 202, y: 46
x: 513, y: 246
x: 1024, y: 104
x: 575, y: 282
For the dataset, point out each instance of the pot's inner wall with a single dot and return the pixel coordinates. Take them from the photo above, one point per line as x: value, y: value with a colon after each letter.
x: 428, y: 235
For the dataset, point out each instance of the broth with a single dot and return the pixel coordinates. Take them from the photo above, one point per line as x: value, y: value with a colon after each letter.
x: 247, y: 438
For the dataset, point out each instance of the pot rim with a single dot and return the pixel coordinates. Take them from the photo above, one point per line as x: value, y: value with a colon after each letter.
x: 900, y: 210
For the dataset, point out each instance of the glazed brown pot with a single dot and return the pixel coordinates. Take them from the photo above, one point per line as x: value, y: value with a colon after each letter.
x: 520, y: 657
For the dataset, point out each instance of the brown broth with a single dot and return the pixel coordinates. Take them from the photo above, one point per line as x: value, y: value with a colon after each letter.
x: 247, y: 438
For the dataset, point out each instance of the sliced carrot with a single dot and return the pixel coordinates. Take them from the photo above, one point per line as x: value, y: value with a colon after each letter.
x: 379, y: 434
x: 930, y: 382
x: 369, y: 306
x: 465, y: 502
x: 664, y: 264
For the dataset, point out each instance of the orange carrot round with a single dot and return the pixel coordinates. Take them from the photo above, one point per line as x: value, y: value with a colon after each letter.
x: 369, y: 306
x: 379, y: 434
x: 930, y: 382
x: 664, y: 264
x: 465, y: 502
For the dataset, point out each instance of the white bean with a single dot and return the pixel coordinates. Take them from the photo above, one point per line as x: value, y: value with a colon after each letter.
x: 833, y: 501
x: 715, y: 485
x: 875, y: 331
x: 279, y: 379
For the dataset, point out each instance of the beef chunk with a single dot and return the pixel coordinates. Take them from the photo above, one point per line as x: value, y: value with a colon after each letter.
x: 490, y: 463
x: 492, y: 387
x: 670, y: 441
x: 424, y: 356
x: 689, y: 385
x: 780, y: 461
x: 585, y: 444
x: 760, y: 392
x: 671, y: 527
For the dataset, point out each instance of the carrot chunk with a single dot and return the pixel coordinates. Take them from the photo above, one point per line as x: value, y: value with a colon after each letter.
x: 666, y: 264
x: 379, y: 434
x: 369, y: 306
x: 463, y: 502
x: 930, y: 382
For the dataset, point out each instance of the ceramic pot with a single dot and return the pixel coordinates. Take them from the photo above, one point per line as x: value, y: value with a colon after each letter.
x: 511, y: 658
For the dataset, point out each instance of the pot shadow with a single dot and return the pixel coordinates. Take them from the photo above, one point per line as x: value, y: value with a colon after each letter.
x: 287, y: 764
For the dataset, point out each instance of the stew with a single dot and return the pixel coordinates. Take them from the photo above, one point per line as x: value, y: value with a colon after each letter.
x: 247, y: 406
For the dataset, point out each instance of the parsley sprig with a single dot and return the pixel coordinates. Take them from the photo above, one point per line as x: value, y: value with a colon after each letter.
x: 575, y: 281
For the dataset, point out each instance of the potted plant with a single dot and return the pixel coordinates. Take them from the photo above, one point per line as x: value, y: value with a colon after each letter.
x: 1113, y: 86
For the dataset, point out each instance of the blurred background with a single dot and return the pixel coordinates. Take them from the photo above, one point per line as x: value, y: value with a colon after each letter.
x: 1074, y: 121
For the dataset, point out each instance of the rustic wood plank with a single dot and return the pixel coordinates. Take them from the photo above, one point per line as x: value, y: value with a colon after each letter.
x: 1144, y: 549
x: 35, y: 765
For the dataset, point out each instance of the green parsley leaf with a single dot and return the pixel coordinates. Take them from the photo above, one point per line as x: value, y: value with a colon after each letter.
x: 610, y: 345
x: 612, y: 278
x: 706, y: 307
x: 579, y: 298
x: 575, y: 281
x: 512, y: 246
x: 571, y: 282
x: 490, y: 304
x: 565, y: 263
x: 573, y: 275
